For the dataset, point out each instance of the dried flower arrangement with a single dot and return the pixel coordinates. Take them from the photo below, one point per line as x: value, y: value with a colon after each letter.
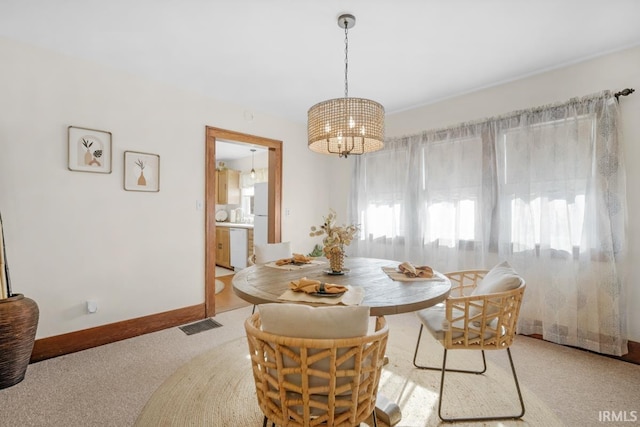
x: 336, y: 237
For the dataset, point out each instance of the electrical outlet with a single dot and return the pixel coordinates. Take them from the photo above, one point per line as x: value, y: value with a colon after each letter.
x: 92, y: 306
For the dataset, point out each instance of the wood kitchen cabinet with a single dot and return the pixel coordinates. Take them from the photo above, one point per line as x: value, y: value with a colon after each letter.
x: 228, y: 191
x: 223, y: 252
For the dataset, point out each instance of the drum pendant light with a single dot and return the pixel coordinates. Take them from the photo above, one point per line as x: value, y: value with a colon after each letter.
x: 345, y: 126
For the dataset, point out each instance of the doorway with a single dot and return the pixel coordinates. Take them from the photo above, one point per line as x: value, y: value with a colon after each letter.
x: 274, y: 148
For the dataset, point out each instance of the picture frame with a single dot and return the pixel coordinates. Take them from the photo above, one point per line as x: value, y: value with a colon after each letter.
x: 89, y: 150
x: 141, y: 171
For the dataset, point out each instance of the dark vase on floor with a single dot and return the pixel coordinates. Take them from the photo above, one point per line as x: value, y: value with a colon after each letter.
x: 18, y: 323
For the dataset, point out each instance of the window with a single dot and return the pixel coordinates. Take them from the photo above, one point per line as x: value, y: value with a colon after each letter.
x: 383, y: 221
x: 542, y: 188
x: 451, y: 222
x: 246, y: 200
x: 544, y: 182
x: 452, y: 186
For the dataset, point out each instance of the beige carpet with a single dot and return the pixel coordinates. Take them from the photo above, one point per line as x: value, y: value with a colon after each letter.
x: 216, y: 388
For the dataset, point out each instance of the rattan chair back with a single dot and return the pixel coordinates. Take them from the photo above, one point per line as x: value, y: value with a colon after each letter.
x: 309, y: 382
x: 481, y: 322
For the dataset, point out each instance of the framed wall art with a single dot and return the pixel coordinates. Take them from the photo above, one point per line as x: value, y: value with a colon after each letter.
x: 89, y: 150
x: 141, y: 171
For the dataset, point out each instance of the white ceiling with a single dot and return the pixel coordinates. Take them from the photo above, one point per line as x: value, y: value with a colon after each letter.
x: 227, y: 150
x: 282, y: 56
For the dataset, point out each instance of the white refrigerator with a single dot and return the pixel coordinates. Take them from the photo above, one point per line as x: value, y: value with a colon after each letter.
x: 260, y: 212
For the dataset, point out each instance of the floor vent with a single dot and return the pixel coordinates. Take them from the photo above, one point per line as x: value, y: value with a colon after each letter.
x: 201, y: 326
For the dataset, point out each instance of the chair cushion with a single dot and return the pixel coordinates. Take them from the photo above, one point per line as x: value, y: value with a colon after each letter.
x: 303, y: 321
x: 435, y: 320
x: 500, y: 278
x: 272, y: 252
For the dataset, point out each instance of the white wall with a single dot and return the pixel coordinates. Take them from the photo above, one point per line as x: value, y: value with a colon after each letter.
x: 74, y: 236
x: 614, y: 72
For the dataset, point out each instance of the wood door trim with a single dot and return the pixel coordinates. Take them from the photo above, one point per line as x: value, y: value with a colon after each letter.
x: 274, y: 148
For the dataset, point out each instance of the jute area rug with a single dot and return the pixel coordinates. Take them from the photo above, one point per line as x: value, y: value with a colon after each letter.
x: 217, y: 389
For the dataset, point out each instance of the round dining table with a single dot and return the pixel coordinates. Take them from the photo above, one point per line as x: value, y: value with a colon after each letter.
x: 265, y: 283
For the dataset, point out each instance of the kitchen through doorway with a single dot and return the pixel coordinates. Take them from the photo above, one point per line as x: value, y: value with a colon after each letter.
x: 234, y: 161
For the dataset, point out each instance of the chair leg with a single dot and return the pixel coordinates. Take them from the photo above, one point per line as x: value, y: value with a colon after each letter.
x: 435, y: 368
x: 515, y: 379
x: 504, y: 417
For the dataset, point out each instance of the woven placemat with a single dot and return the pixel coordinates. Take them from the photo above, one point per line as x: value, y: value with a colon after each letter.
x: 394, y: 274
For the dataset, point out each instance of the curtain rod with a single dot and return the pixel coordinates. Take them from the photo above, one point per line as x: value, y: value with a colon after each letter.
x: 624, y: 92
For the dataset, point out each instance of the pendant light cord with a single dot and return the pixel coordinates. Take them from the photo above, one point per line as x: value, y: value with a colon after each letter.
x: 346, y: 58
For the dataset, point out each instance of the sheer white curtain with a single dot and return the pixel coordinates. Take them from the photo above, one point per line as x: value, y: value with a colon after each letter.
x: 421, y: 199
x: 542, y: 188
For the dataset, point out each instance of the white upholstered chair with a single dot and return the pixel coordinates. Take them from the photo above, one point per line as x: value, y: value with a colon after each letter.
x: 480, y: 313
x: 324, y: 370
x: 268, y: 252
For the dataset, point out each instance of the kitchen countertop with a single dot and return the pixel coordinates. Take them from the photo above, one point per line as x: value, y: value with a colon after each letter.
x: 234, y: 225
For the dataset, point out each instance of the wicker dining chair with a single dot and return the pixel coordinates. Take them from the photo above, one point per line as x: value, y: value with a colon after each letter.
x: 310, y: 382
x: 472, y: 320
